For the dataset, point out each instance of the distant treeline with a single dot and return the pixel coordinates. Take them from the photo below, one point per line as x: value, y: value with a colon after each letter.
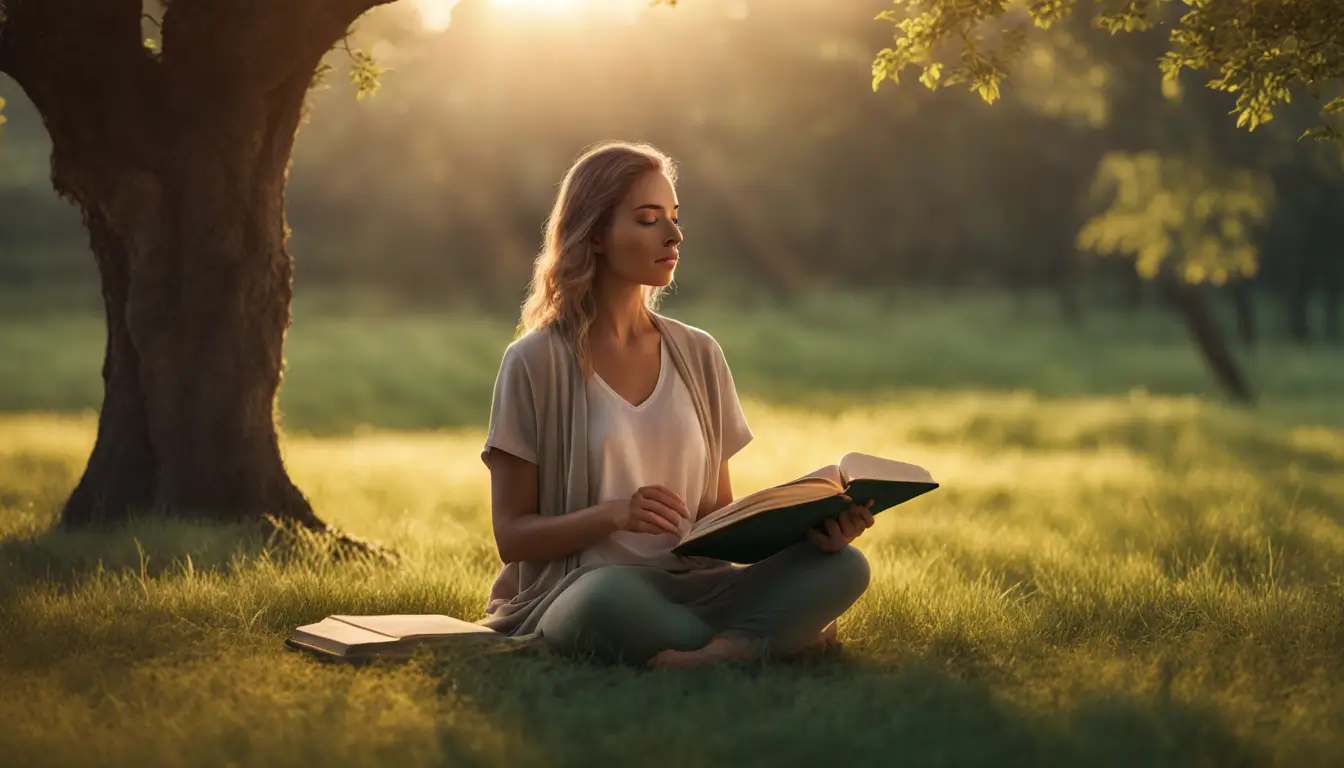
x: 794, y: 172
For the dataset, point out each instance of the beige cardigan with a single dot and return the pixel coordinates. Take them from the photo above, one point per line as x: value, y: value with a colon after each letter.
x: 539, y: 412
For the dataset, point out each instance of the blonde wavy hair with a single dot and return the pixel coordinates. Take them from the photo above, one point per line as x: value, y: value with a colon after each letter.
x: 561, y: 290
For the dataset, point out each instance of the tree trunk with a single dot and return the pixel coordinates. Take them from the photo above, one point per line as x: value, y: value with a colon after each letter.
x: 1334, y: 283
x: 178, y: 161
x: 1065, y: 274
x: 1243, y: 301
x: 1207, y: 336
x: 120, y: 472
x: 1134, y: 285
x: 1298, y: 304
x: 1016, y: 278
x: 197, y: 284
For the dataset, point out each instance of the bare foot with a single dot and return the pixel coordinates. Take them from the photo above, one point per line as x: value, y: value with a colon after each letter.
x: 718, y: 649
x: 827, y: 638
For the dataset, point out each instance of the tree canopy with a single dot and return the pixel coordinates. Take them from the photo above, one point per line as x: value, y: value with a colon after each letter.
x: 1261, y: 50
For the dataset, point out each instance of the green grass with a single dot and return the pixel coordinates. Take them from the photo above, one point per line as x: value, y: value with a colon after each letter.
x: 352, y: 362
x: 1107, y: 577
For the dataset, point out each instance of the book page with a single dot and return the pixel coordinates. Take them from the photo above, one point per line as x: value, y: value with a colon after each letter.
x: 803, y: 489
x: 861, y: 466
x: 414, y: 625
x: 829, y: 474
x: 338, y: 636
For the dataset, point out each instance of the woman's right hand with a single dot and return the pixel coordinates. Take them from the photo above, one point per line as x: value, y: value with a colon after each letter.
x: 652, y: 509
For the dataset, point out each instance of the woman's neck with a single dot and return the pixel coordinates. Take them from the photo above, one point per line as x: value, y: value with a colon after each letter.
x: 622, y: 316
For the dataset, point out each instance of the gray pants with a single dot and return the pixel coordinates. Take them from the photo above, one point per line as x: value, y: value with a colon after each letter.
x: 628, y: 613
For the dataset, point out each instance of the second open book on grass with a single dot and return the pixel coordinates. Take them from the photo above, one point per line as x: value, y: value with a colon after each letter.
x: 349, y: 637
x: 762, y: 523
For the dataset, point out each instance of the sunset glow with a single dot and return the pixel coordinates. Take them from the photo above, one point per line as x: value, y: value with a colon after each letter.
x: 437, y: 14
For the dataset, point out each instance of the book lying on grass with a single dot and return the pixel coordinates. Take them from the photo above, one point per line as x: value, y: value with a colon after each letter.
x: 760, y: 524
x: 392, y: 635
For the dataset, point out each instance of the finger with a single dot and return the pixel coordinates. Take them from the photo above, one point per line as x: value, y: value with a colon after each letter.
x: 640, y: 526
x: 859, y: 523
x: 666, y: 519
x: 669, y: 497
x: 832, y: 526
x: 830, y: 544
x: 868, y: 519
x: 842, y: 536
x: 668, y: 513
x: 818, y: 538
x: 654, y: 519
x: 673, y: 495
x: 856, y: 527
x: 850, y: 526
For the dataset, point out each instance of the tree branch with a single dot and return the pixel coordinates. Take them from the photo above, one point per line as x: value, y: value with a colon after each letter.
x: 251, y: 45
x: 85, y: 68
x: 361, y: 7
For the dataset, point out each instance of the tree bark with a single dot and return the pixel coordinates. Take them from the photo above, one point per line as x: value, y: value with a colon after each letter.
x: 1332, y: 289
x: 1332, y: 318
x: 1133, y: 295
x: 197, y: 284
x: 178, y: 163
x: 1065, y: 275
x: 1298, y: 303
x: 120, y: 473
x: 188, y: 425
x: 1243, y: 301
x: 1207, y: 336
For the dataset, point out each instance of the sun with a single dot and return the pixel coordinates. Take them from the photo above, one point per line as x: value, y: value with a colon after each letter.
x: 548, y: 7
x: 436, y: 15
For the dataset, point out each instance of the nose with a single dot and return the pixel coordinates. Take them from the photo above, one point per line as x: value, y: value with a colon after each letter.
x: 675, y: 238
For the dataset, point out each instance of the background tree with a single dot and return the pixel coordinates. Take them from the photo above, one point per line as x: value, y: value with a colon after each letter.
x: 1260, y: 50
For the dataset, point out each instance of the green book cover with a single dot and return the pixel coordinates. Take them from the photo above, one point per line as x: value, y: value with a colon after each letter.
x: 761, y: 534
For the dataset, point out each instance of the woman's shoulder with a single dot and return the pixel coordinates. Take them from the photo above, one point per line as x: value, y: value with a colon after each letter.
x: 534, y: 348
x: 698, y: 339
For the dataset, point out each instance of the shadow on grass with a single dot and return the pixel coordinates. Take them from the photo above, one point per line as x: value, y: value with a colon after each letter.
x: 831, y: 711
x: 150, y: 547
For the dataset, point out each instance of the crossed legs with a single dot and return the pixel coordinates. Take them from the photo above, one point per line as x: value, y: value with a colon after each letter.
x: 778, y: 607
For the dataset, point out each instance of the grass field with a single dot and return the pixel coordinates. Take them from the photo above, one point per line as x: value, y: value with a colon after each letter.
x: 1109, y: 576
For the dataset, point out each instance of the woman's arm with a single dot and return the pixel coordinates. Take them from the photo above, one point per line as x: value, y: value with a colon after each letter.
x: 522, y: 534
x: 724, y: 497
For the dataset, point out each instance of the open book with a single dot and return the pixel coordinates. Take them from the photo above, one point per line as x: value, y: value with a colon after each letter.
x: 762, y: 523
x: 349, y: 637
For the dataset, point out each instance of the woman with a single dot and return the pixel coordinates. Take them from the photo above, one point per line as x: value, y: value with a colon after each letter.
x: 610, y: 432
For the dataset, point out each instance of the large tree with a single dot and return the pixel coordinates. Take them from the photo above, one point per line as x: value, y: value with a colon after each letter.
x: 177, y: 155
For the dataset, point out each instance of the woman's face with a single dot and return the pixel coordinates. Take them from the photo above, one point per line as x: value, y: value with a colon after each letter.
x: 641, y: 242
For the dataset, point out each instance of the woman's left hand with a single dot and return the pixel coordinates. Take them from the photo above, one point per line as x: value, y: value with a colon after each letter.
x: 840, y: 531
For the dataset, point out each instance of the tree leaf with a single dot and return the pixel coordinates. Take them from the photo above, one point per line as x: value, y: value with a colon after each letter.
x: 932, y: 74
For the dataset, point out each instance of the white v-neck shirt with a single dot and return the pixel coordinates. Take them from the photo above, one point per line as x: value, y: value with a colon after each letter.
x: 629, y: 446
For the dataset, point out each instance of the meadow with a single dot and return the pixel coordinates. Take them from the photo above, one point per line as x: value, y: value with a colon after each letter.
x: 1119, y: 569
